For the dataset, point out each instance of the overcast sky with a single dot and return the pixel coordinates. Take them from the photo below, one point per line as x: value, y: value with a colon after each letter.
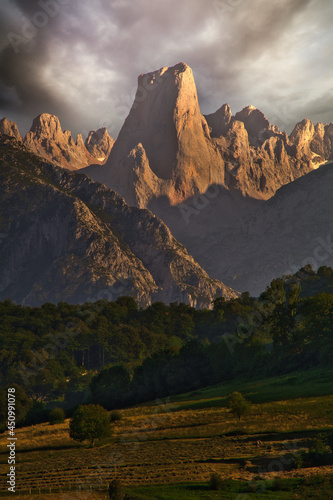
x: 80, y: 59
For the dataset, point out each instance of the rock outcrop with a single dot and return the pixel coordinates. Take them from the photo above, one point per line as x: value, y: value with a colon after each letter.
x: 99, y: 144
x: 219, y: 121
x: 47, y: 139
x: 9, y: 128
x: 68, y: 238
x: 314, y: 143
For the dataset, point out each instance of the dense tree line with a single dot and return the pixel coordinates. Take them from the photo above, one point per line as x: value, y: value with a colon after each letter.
x: 114, y: 353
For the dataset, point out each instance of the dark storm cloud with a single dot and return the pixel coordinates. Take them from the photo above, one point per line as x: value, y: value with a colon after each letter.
x: 26, y: 49
x: 83, y: 64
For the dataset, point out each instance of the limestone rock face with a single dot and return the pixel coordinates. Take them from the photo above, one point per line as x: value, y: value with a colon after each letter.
x: 254, y: 121
x: 9, y: 128
x: 69, y: 238
x: 99, y: 144
x: 302, y: 136
x: 312, y: 143
x: 219, y: 121
x: 167, y: 149
x: 47, y: 139
x: 165, y: 121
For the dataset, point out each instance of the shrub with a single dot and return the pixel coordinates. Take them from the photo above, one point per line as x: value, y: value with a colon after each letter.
x: 329, y: 442
x: 37, y: 414
x: 281, y: 484
x: 57, y: 416
x: 298, y: 459
x: 217, y: 482
x: 116, y: 490
x: 115, y: 416
x: 318, y: 446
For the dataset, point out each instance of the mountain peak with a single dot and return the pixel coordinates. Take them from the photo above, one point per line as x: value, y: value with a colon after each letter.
x: 47, y: 125
x: 254, y: 120
x: 99, y: 143
x: 219, y: 121
x: 166, y: 121
x: 9, y: 128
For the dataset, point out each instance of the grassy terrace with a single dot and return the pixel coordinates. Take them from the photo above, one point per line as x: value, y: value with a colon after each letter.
x: 170, y: 450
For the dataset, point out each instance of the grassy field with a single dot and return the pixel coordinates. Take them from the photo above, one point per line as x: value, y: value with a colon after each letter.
x: 170, y: 449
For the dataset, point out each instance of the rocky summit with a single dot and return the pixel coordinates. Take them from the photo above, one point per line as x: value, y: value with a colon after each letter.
x: 47, y: 139
x: 167, y: 149
x: 67, y: 238
x: 99, y: 144
x: 164, y: 146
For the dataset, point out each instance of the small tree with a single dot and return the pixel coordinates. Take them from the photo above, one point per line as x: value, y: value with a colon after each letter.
x: 57, y: 415
x: 238, y: 405
x: 216, y: 482
x: 115, y: 416
x: 90, y: 422
x: 116, y: 490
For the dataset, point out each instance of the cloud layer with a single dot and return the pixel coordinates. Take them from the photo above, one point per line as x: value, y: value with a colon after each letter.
x: 80, y: 59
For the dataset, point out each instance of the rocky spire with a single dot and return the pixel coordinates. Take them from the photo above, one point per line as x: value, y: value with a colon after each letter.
x: 99, y: 143
x: 9, y: 128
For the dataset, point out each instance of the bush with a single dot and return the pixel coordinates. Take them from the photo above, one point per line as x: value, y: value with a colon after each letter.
x: 217, y: 482
x: 116, y: 490
x: 57, y: 416
x: 329, y: 442
x: 298, y: 459
x: 115, y: 416
x: 37, y: 414
x: 281, y: 484
x: 318, y: 445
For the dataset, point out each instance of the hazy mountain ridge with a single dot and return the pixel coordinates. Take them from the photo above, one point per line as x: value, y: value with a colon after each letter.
x: 250, y: 242
x: 69, y: 238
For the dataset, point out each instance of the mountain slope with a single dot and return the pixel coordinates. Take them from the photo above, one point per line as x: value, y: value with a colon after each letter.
x: 68, y: 238
x: 250, y: 242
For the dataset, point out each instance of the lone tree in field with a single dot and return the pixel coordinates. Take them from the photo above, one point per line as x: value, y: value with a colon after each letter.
x: 238, y: 405
x: 89, y: 422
